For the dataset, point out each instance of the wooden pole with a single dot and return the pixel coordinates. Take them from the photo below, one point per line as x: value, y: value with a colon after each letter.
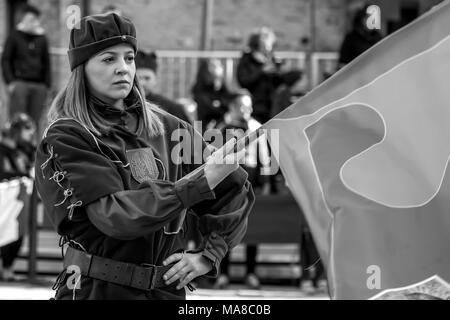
x: 12, y: 7
x: 313, y: 26
x: 312, y: 44
x: 33, y: 230
x: 86, y: 7
x: 206, y: 32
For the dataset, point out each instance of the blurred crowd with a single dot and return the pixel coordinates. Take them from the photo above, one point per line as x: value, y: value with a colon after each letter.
x: 266, y: 88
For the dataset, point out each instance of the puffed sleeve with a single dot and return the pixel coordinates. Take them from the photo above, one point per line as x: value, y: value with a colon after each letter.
x: 126, y: 215
x: 73, y: 172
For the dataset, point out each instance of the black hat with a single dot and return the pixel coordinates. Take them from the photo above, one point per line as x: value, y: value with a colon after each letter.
x: 96, y: 33
x: 27, y: 8
x: 146, y: 60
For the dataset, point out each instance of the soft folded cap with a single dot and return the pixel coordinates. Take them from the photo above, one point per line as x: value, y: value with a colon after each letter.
x: 96, y: 33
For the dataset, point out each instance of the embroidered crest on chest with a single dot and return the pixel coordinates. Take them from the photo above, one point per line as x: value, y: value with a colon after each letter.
x: 143, y: 164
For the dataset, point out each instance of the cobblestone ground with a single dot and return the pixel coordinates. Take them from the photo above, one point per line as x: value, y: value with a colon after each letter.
x: 287, y: 254
x: 41, y: 290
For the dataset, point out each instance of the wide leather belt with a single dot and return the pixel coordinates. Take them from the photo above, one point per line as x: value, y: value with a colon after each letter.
x: 144, y: 277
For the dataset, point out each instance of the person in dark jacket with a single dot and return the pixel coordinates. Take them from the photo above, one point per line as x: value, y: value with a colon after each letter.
x: 26, y: 65
x: 146, y: 71
x: 259, y: 72
x: 238, y: 121
x: 359, y: 39
x: 17, y: 147
x: 288, y: 92
x: 17, y: 150
x: 210, y: 93
x: 115, y: 188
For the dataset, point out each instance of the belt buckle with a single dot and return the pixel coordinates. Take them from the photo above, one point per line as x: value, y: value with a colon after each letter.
x: 153, y: 276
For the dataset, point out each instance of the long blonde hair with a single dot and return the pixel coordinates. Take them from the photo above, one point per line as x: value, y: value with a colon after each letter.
x: 72, y: 102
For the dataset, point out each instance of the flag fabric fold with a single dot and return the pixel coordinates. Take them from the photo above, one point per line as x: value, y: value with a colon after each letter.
x: 366, y: 155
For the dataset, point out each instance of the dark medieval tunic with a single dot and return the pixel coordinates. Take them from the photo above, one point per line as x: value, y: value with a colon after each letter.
x: 120, y: 196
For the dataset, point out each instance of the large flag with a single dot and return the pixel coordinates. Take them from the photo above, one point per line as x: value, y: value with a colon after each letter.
x: 365, y: 155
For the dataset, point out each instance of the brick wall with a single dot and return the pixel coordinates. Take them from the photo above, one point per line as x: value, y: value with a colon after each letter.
x: 176, y: 24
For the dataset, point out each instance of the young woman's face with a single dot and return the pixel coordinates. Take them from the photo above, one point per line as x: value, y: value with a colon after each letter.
x: 267, y: 43
x: 27, y: 133
x: 217, y: 71
x: 30, y: 21
x: 110, y: 73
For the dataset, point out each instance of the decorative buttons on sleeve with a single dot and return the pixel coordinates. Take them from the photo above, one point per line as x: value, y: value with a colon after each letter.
x: 58, y: 177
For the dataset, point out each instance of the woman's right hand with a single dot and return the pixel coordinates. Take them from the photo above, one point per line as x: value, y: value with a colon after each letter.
x: 224, y: 161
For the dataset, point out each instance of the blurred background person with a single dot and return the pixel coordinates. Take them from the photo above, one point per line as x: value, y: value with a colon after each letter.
x: 237, y: 122
x: 17, y: 148
x: 287, y: 93
x: 146, y: 72
x: 26, y: 65
x: 210, y: 93
x: 359, y: 39
x: 310, y: 261
x: 312, y: 268
x: 259, y: 72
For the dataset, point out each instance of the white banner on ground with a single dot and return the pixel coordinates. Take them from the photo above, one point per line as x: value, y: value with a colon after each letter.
x: 10, y: 208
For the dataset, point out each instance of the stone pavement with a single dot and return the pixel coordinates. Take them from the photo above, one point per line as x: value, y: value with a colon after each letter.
x: 24, y: 290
